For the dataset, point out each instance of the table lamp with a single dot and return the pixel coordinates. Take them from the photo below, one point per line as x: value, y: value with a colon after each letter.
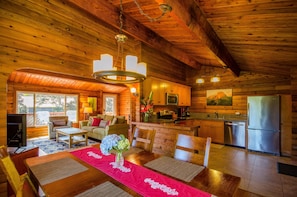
x: 87, y: 111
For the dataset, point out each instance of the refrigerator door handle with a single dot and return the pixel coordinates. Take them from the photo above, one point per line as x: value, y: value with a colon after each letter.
x: 248, y: 112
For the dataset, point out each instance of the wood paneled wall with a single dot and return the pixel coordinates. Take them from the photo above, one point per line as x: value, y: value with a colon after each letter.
x: 247, y: 84
x: 162, y: 66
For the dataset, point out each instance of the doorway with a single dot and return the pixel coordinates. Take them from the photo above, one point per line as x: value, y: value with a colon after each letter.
x: 110, y: 104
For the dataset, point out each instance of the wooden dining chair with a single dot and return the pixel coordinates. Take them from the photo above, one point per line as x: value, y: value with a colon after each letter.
x: 21, y: 184
x: 143, y: 139
x: 192, y: 149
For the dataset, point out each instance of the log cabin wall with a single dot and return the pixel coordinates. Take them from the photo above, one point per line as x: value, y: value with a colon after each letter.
x: 164, y: 67
x: 247, y: 84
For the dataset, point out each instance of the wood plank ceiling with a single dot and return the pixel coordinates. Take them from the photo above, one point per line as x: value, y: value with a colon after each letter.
x: 47, y: 79
x: 243, y: 35
x: 258, y: 36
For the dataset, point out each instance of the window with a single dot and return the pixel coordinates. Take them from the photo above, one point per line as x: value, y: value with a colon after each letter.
x: 39, y: 106
x: 110, y: 104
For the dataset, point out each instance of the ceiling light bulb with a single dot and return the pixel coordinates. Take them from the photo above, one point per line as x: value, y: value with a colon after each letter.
x: 133, y: 90
x: 215, y: 79
x: 200, y: 80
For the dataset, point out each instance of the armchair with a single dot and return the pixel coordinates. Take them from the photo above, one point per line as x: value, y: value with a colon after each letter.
x: 57, y: 122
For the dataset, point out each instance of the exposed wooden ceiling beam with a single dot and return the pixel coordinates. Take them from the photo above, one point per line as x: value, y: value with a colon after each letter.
x: 110, y: 14
x: 189, y: 13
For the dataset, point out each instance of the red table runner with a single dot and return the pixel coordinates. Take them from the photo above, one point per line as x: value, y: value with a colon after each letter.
x: 142, y: 180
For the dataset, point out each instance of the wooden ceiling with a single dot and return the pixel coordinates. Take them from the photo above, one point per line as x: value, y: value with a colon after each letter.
x: 243, y: 35
x: 48, y: 79
x: 257, y: 36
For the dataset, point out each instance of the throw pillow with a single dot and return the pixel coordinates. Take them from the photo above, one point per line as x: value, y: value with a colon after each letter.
x: 114, y: 120
x: 96, y: 122
x: 107, y: 117
x: 121, y: 119
x: 103, y: 123
x: 91, y: 120
x: 102, y: 116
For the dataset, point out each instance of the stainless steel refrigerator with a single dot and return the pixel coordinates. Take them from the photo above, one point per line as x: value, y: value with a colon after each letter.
x: 264, y: 124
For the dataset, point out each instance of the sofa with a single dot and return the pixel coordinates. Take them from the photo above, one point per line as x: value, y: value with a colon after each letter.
x: 102, y: 125
x: 57, y: 122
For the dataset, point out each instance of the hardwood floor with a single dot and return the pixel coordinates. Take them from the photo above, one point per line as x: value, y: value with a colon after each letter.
x: 244, y: 193
x: 258, y: 171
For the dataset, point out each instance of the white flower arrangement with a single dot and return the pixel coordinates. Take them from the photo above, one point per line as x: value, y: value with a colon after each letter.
x: 119, y: 143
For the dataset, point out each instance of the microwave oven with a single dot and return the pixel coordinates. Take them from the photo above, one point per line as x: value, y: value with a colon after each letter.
x: 171, y: 99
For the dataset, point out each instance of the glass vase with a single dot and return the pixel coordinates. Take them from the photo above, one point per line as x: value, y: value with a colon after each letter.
x: 146, y: 117
x: 119, y: 159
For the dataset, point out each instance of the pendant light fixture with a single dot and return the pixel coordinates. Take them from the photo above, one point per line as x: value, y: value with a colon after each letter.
x: 132, y: 72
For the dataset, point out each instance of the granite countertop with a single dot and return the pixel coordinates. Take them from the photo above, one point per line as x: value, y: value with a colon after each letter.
x: 220, y: 118
x: 170, y: 124
x: 184, y: 123
x: 229, y: 118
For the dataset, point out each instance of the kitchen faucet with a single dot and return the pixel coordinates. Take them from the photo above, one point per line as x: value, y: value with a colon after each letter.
x: 217, y: 114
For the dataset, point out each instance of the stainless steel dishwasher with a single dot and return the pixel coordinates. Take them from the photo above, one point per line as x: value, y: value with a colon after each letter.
x: 234, y: 133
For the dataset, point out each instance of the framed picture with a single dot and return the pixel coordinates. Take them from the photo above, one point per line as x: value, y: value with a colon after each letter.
x: 93, y: 103
x: 221, y: 97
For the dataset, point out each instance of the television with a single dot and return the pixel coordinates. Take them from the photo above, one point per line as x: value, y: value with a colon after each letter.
x: 16, y: 130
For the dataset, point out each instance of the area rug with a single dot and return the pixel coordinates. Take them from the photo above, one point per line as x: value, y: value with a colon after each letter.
x: 51, y: 146
x: 287, y: 169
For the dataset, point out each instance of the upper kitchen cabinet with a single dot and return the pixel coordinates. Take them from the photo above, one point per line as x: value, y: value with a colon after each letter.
x: 157, y: 87
x: 161, y: 87
x: 184, y: 93
x: 169, y: 87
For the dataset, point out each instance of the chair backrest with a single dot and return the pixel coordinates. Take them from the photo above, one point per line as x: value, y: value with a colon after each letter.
x: 192, y: 149
x: 143, y: 139
x: 15, y: 180
x: 55, y: 118
x: 9, y: 169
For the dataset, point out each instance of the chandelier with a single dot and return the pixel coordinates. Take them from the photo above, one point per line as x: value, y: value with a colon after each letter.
x: 127, y: 70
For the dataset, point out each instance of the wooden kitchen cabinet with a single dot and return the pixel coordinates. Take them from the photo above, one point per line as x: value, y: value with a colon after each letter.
x: 161, y: 87
x: 169, y: 87
x: 157, y: 87
x: 213, y: 129
x: 165, y: 137
x: 184, y: 93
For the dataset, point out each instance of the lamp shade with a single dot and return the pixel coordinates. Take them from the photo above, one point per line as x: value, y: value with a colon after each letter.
x: 88, y: 110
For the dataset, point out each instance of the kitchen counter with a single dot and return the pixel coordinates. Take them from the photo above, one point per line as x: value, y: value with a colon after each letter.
x: 166, y: 132
x: 231, y: 118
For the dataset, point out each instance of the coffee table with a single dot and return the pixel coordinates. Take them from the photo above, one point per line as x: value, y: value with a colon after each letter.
x: 72, y: 136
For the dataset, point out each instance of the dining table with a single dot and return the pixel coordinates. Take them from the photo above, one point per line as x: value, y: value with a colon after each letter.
x: 87, y: 172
